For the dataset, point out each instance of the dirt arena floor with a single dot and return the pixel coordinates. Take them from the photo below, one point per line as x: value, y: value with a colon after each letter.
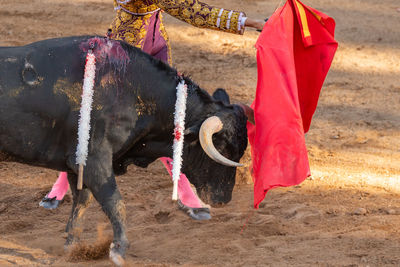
x: 346, y: 214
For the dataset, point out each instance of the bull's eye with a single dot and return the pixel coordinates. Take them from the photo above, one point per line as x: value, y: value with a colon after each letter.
x: 29, y: 75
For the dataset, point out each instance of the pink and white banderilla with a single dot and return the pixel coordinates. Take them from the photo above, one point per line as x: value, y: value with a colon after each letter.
x: 179, y: 120
x: 84, y: 119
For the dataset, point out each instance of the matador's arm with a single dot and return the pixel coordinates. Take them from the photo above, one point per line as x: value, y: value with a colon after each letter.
x: 202, y: 15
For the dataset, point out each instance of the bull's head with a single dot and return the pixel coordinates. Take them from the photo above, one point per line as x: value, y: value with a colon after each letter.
x: 210, y: 160
x: 215, y: 140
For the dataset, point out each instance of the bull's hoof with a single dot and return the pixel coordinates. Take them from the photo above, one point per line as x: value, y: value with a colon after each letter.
x: 49, y: 203
x: 68, y: 246
x: 199, y: 214
x: 117, y: 251
x: 70, y: 241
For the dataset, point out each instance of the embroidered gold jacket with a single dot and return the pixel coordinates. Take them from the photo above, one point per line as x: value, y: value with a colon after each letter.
x: 129, y: 26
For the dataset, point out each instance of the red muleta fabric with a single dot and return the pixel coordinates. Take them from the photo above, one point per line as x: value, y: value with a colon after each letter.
x: 294, y: 54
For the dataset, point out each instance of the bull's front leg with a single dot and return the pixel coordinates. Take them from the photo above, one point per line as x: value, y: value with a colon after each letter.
x: 81, y: 200
x: 99, y: 178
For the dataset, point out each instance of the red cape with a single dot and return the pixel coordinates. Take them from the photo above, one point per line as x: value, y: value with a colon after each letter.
x: 294, y: 54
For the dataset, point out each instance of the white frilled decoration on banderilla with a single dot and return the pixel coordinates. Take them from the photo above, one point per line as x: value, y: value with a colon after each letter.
x: 179, y: 120
x: 84, y: 119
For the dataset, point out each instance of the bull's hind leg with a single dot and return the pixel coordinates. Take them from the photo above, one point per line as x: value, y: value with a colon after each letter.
x: 81, y: 200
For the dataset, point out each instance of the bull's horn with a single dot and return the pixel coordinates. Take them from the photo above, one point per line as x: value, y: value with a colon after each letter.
x: 208, y: 128
x: 249, y: 113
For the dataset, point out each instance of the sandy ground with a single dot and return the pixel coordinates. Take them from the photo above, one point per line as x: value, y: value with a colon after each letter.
x: 346, y: 214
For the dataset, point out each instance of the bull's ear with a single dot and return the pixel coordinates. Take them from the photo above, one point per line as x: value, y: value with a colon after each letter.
x: 221, y: 95
x: 192, y: 133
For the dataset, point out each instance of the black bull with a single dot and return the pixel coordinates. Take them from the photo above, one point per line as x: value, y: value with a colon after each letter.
x: 131, y: 121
